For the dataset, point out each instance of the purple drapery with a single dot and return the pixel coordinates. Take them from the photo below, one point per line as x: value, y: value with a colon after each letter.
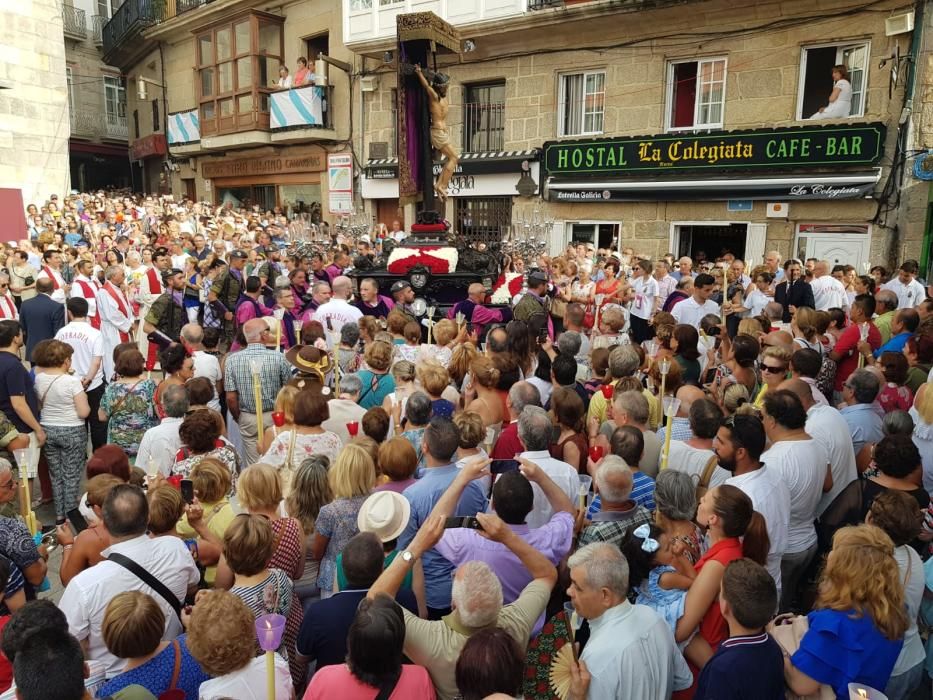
x: 410, y: 96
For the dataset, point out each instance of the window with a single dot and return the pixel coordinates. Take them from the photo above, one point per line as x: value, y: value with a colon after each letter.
x: 482, y: 219
x: 600, y: 234
x: 114, y: 100
x: 135, y: 123
x: 816, y: 77
x: 238, y: 65
x: 696, y: 93
x: 582, y: 101
x: 155, y: 115
x: 484, y: 117
x: 107, y: 9
x: 360, y: 5
x: 315, y: 46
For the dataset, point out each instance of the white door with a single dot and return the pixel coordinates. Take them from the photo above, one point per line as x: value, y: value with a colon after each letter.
x: 841, y: 249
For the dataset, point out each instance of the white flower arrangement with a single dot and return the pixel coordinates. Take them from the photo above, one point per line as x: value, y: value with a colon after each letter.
x: 502, y: 295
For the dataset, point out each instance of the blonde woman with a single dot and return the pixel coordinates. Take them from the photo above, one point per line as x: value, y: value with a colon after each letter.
x: 444, y: 333
x: 858, y: 623
x: 352, y: 478
x: 284, y: 404
x: 775, y: 361
x: 310, y: 492
x: 488, y: 403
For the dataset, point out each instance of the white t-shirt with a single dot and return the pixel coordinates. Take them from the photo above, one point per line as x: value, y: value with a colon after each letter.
x: 689, y: 460
x: 249, y: 683
x: 690, y: 312
x: 912, y: 652
x: 828, y: 293
x: 56, y: 394
x: 339, y: 312
x: 646, y: 289
x: 208, y: 366
x: 88, y: 343
x: 771, y: 498
x: 756, y: 302
x: 178, y: 261
x: 827, y: 426
x: 908, y: 295
x: 802, y: 467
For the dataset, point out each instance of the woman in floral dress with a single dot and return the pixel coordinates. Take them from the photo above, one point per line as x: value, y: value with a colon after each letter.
x: 128, y: 404
x: 308, y: 435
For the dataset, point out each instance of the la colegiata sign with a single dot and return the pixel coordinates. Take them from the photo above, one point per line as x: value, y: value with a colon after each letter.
x: 818, y: 146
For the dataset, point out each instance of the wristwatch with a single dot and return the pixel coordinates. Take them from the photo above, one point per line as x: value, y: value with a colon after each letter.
x: 407, y: 557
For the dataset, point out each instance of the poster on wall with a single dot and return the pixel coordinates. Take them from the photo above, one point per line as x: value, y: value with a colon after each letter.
x: 340, y: 182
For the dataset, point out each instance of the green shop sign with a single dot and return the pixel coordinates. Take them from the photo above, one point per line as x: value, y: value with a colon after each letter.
x: 817, y: 146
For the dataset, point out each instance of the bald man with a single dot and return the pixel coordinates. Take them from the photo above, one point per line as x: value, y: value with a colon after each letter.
x: 474, y: 312
x: 828, y: 292
x: 335, y: 313
x: 826, y: 425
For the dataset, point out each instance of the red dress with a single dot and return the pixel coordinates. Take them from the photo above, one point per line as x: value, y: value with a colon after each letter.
x: 287, y: 557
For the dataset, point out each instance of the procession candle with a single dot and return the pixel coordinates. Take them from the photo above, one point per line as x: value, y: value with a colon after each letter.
x: 279, y: 314
x: 257, y: 396
x: 670, y: 405
x: 269, y: 630
x: 863, y: 335
x: 664, y: 366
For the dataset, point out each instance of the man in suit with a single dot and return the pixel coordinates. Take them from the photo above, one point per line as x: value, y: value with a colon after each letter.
x: 41, y: 316
x: 794, y: 291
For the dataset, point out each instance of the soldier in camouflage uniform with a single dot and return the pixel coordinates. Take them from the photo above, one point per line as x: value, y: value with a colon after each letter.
x: 167, y: 313
x: 227, y: 290
x: 532, y: 308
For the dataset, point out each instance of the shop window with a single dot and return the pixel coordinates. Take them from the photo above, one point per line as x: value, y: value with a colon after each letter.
x: 238, y: 64
x: 482, y: 219
x: 484, y: 117
x: 696, y: 93
x: 816, y: 76
x: 600, y: 234
x: 581, y: 103
x: 315, y: 46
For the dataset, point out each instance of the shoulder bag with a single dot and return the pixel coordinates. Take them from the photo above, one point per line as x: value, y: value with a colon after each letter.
x: 148, y: 579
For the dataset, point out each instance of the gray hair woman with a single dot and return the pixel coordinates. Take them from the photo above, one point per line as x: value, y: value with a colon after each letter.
x: 675, y: 496
x: 417, y: 417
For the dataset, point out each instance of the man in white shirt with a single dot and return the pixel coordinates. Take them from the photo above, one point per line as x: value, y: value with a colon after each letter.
x: 694, y: 455
x: 166, y: 558
x: 803, y: 465
x: 52, y: 269
x: 738, y: 447
x: 694, y: 308
x: 534, y: 430
x: 338, y: 311
x: 205, y: 365
x: 86, y: 288
x: 631, y: 651
x: 773, y: 262
x: 8, y: 310
x: 159, y: 445
x: 828, y: 427
x: 910, y: 293
x: 828, y: 292
x: 87, y: 361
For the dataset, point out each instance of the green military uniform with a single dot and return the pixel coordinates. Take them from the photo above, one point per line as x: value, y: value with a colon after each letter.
x: 228, y: 290
x: 167, y: 316
x: 532, y: 311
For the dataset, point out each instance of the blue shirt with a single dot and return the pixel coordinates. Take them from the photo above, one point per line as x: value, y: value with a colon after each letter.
x: 895, y: 344
x: 423, y: 495
x: 642, y: 494
x: 375, y: 388
x: 156, y: 674
x: 744, y: 668
x: 840, y: 648
x: 864, y: 424
x: 680, y: 429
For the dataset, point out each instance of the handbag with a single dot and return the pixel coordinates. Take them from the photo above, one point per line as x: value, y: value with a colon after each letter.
x: 147, y: 578
x: 589, y: 318
x: 787, y: 630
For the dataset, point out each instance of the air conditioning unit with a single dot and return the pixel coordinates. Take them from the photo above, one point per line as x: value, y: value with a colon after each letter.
x: 369, y: 83
x: 899, y: 24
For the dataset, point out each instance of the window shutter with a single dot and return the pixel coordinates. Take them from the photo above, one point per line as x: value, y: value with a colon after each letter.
x: 755, y: 244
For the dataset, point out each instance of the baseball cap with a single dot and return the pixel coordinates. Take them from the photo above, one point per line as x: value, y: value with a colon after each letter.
x: 399, y: 286
x: 238, y: 254
x: 537, y: 277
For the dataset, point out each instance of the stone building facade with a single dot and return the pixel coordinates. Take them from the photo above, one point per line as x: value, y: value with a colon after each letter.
x: 602, y: 71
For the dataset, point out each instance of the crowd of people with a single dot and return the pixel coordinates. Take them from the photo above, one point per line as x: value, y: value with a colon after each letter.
x: 630, y: 479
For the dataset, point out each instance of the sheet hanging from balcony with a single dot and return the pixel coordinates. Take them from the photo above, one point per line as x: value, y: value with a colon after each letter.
x: 184, y: 127
x: 297, y: 107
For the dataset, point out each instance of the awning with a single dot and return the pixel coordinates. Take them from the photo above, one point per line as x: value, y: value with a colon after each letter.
x: 779, y: 188
x: 475, y: 163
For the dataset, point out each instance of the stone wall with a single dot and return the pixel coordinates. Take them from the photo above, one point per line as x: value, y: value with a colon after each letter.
x: 34, y: 121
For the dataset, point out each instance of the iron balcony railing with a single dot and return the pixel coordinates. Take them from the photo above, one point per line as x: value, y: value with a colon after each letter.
x: 544, y: 4
x: 135, y: 15
x: 97, y: 29
x: 75, y: 22
x: 88, y: 124
x: 483, y: 126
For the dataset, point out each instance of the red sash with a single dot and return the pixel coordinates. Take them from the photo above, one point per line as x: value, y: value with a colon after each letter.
x: 88, y: 293
x: 11, y: 308
x: 152, y: 353
x: 48, y: 271
x: 118, y: 298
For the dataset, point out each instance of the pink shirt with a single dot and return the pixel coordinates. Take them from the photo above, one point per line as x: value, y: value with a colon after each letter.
x: 337, y: 682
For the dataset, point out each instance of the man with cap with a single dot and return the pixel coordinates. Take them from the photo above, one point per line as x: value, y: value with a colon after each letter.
x: 474, y: 312
x: 167, y: 313
x: 404, y: 295
x: 532, y: 308
x: 151, y: 287
x: 86, y: 288
x: 227, y: 289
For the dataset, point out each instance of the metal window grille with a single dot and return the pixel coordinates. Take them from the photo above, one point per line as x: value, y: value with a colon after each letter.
x: 481, y: 219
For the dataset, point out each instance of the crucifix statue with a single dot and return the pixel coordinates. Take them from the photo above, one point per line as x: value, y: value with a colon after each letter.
x: 439, y: 107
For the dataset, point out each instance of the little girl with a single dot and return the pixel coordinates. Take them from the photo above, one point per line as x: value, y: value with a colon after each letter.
x: 658, y: 574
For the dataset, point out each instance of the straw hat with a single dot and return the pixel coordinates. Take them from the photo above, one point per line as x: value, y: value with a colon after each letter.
x: 308, y: 359
x: 384, y: 513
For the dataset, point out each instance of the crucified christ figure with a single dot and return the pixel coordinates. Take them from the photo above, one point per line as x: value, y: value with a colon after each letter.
x: 440, y: 135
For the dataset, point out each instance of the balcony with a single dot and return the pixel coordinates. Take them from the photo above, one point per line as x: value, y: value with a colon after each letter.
x: 301, y: 108
x: 75, y: 23
x: 97, y: 29
x: 483, y: 126
x: 87, y: 124
x: 115, y: 127
x: 544, y: 4
x: 133, y: 16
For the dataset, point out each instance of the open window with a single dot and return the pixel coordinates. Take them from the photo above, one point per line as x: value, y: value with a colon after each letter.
x: 816, y: 76
x: 696, y: 94
x: 581, y: 103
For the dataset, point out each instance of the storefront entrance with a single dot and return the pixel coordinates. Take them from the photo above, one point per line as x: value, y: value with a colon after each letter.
x: 704, y: 242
